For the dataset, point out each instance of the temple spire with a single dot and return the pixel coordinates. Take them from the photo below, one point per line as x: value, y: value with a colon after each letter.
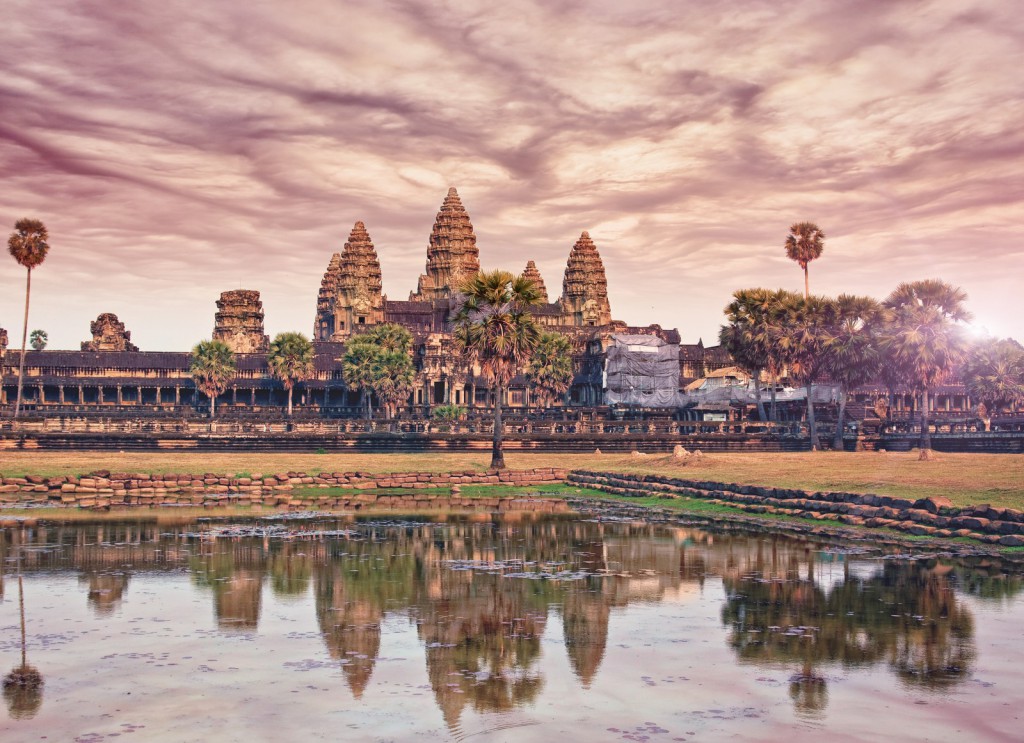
x: 533, y: 274
x: 584, y: 298
x: 452, y: 255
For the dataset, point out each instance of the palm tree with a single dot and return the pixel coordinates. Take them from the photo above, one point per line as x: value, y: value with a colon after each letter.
x: 359, y: 368
x: 494, y: 328
x: 212, y: 367
x: 802, y: 336
x: 852, y: 351
x: 550, y: 368
x: 38, y: 339
x: 393, y: 379
x: 804, y: 243
x: 28, y: 245
x: 925, y: 340
x: 292, y: 360
x: 994, y: 373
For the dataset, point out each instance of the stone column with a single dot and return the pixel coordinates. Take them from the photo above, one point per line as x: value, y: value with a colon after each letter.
x: 60, y: 392
x: 81, y: 394
x: 120, y: 398
x: 159, y: 396
x: 177, y: 394
x: 42, y: 394
x: 234, y: 395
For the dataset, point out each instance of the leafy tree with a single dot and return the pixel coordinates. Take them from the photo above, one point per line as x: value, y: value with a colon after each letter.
x: 925, y: 340
x: 379, y: 362
x: 750, y: 336
x: 494, y: 328
x: 802, y: 338
x: 28, y: 245
x: 804, y: 243
x: 853, y: 356
x: 449, y: 412
x: 38, y: 339
x: 291, y: 360
x: 550, y: 367
x: 212, y: 367
x: 994, y: 373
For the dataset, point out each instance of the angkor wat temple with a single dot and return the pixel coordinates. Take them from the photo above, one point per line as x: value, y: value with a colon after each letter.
x: 109, y: 373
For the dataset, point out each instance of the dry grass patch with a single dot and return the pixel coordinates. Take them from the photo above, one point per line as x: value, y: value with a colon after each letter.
x: 997, y: 479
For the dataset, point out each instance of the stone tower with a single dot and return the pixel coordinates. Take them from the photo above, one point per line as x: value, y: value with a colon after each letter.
x: 533, y: 275
x: 239, y: 322
x: 584, y: 289
x: 323, y: 327
x: 452, y: 255
x: 108, y: 334
x: 357, y: 299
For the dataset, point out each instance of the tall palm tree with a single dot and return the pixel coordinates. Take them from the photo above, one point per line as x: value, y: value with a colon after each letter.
x: 212, y: 367
x: 550, y: 367
x: 802, y: 336
x: 39, y: 339
x: 28, y: 244
x: 291, y: 360
x: 804, y: 243
x: 925, y: 339
x: 852, y: 351
x: 494, y: 328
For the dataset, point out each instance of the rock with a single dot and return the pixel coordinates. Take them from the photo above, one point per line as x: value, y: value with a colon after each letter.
x: 1011, y: 540
x: 933, y: 503
x: 637, y: 454
x: 679, y: 452
x: 698, y: 453
x: 597, y: 451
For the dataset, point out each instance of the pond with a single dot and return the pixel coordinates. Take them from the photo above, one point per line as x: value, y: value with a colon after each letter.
x: 504, y: 628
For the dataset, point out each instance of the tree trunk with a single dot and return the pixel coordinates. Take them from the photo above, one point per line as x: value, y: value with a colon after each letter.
x: 497, y: 453
x: 757, y: 395
x: 926, y: 436
x: 807, y: 285
x: 812, y: 427
x: 24, y: 343
x: 775, y: 411
x: 289, y: 402
x: 837, y: 442
x: 213, y: 405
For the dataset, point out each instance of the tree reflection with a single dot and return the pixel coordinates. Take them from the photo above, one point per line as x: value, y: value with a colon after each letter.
x: 906, y: 614
x: 23, y: 686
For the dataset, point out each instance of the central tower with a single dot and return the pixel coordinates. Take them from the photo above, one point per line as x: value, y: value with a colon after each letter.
x: 452, y: 255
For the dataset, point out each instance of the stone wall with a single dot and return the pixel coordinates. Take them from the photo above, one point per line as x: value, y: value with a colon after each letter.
x: 935, y: 517
x: 103, y: 489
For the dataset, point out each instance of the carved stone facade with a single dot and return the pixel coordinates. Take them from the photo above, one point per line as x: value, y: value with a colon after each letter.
x: 452, y: 255
x: 239, y: 322
x: 109, y: 334
x: 533, y: 274
x: 585, y: 289
x: 350, y: 292
x: 3, y: 343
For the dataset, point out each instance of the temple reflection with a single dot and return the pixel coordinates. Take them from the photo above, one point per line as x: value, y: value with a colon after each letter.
x: 480, y: 592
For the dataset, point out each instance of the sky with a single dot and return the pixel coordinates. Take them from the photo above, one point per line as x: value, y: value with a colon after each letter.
x: 178, y: 149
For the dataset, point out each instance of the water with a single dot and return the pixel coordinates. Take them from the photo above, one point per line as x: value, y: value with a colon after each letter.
x: 511, y: 629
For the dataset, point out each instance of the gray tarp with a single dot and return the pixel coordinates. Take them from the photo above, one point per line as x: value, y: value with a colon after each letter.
x: 743, y: 394
x: 642, y: 370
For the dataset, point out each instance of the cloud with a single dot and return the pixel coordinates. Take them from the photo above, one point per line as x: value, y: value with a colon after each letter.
x: 176, y: 151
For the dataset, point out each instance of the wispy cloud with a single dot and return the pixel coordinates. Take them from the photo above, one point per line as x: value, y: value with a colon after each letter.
x: 177, y: 150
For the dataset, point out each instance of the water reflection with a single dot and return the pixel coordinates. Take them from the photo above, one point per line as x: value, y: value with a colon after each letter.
x: 480, y: 594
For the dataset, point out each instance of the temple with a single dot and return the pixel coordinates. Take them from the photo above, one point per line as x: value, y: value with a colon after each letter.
x: 110, y: 374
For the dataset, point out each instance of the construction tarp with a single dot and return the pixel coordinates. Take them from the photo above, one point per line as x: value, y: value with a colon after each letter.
x: 641, y: 370
x: 745, y: 395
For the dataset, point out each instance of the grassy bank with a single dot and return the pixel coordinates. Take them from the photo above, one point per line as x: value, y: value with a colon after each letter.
x: 997, y: 479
